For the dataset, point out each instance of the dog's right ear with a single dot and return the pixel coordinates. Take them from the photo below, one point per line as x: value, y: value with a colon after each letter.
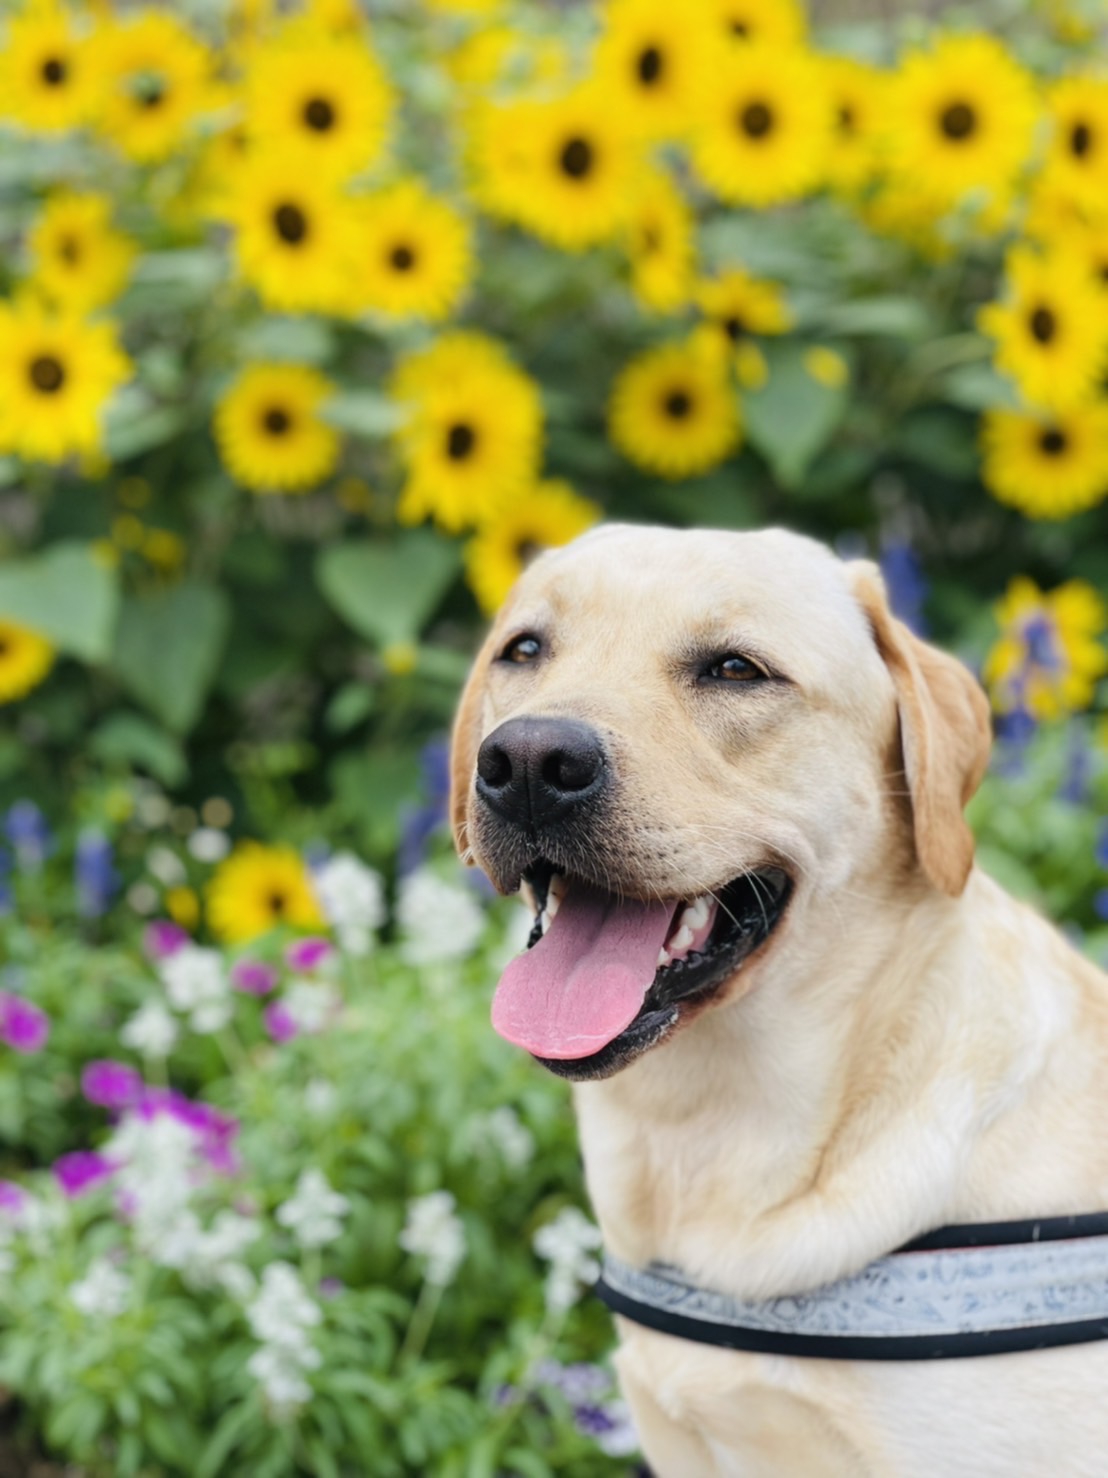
x: 465, y: 741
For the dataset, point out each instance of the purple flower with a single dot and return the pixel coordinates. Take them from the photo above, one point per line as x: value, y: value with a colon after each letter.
x: 331, y: 1287
x: 280, y: 1022
x: 418, y: 823
x: 1100, y: 850
x: 13, y: 1198
x: 113, y: 1085
x: 907, y: 586
x: 161, y: 939
x: 81, y: 1170
x: 95, y: 874
x: 1079, y: 768
x: 22, y: 1025
x: 254, y: 977
x: 213, y: 1131
x: 579, y: 1383
x: 308, y: 954
x: 26, y: 829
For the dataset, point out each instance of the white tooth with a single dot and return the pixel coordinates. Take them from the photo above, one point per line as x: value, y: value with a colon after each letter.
x: 681, y: 940
x: 696, y: 915
x: 553, y: 904
x: 544, y: 920
x: 557, y: 886
x: 664, y: 958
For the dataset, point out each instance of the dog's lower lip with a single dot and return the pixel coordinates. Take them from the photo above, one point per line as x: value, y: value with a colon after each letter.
x: 750, y: 908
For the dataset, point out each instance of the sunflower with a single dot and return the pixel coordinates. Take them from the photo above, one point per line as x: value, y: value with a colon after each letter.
x: 153, y: 76
x: 25, y: 659
x: 326, y: 95
x: 1052, y: 333
x: 776, y: 22
x: 764, y: 126
x: 298, y: 242
x: 47, y: 82
x: 739, y: 304
x: 650, y: 63
x: 661, y: 246
x: 260, y: 888
x: 473, y: 437
x: 417, y: 256
x: 673, y: 412
x: 269, y: 431
x: 1047, y: 466
x: 1048, y: 658
x: 544, y: 517
x: 79, y: 260
x: 1077, y: 158
x: 567, y: 170
x: 960, y: 118
x: 56, y: 373
x: 857, y: 93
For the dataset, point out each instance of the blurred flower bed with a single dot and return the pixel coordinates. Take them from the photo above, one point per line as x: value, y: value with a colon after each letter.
x: 316, y: 321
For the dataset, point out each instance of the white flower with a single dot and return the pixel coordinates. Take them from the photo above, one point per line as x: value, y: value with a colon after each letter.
x: 158, y: 1161
x: 434, y: 1232
x: 311, y: 1004
x: 320, y: 1098
x: 205, y: 1258
x: 621, y: 1438
x: 314, y: 1212
x: 566, y: 1243
x: 151, y: 1030
x: 143, y: 898
x: 278, y: 1372
x: 280, y: 1315
x: 207, y: 844
x: 196, y: 982
x: 103, y: 1293
x: 438, y: 921
x: 166, y: 866
x: 352, y: 897
x: 504, y: 1131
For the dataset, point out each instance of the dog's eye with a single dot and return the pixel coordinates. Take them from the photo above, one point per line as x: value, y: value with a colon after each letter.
x: 733, y: 669
x: 522, y: 649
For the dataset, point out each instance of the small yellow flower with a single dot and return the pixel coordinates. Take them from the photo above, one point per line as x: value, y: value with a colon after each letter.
x: 776, y: 22
x: 47, y: 79
x: 672, y: 411
x: 153, y: 76
x: 650, y: 63
x: 545, y: 517
x: 259, y: 888
x: 270, y: 434
x: 416, y: 257
x: 737, y: 305
x: 183, y: 907
x: 857, y: 94
x: 826, y: 367
x: 56, y: 375
x: 128, y: 532
x: 1049, y: 655
x: 79, y: 260
x: 661, y: 246
x: 25, y: 660
x: 1047, y: 466
x: 164, y: 550
x: 1077, y: 158
x: 400, y: 658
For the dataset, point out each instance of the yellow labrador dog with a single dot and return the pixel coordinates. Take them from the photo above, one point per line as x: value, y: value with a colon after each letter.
x: 804, y: 1029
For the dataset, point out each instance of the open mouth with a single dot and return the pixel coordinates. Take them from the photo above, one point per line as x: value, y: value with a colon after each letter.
x: 605, y: 977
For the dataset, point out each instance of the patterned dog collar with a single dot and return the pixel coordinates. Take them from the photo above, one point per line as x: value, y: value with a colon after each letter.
x: 986, y: 1289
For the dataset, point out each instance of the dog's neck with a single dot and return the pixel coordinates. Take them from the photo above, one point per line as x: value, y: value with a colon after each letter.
x: 831, y: 1114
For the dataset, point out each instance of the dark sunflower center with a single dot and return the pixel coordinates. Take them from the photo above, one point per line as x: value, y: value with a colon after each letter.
x: 756, y: 120
x: 1043, y: 324
x: 4, y: 647
x: 1053, y: 442
x: 460, y: 441
x: 1081, y: 139
x: 402, y: 257
x: 651, y: 239
x: 69, y: 249
x: 276, y: 421
x: 148, y: 90
x: 677, y: 404
x: 734, y: 327
x: 577, y: 158
x: 740, y: 28
x: 958, y: 121
x: 526, y: 550
x: 319, y: 114
x: 650, y: 66
x: 54, y: 71
x: 291, y: 223
x: 47, y: 374
x: 277, y: 902
x: 847, y: 119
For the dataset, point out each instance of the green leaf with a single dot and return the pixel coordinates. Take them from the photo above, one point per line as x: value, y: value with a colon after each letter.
x: 128, y: 739
x: 793, y: 416
x: 168, y: 649
x: 388, y: 592
x: 304, y: 340
x: 978, y: 387
x: 894, y: 317
x: 66, y: 595
x: 351, y: 704
x: 363, y: 413
x: 135, y: 425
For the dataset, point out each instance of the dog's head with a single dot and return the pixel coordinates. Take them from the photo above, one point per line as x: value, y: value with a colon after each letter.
x: 681, y: 746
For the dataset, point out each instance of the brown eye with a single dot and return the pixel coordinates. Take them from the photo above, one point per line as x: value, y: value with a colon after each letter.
x: 733, y: 669
x: 522, y: 649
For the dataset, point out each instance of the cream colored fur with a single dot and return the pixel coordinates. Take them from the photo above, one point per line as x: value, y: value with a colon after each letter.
x: 911, y: 1047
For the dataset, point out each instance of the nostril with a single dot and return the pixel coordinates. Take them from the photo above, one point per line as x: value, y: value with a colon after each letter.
x: 494, y: 766
x: 566, y: 770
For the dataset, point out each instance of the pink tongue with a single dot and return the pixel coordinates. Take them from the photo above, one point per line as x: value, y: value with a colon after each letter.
x: 587, y: 977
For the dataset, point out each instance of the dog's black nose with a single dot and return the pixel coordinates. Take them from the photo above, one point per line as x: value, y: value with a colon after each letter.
x: 533, y: 771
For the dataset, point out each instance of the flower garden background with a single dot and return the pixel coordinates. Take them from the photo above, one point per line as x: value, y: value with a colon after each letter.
x: 315, y: 320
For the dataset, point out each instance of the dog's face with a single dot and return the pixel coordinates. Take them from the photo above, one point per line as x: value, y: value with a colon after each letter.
x: 683, y: 746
